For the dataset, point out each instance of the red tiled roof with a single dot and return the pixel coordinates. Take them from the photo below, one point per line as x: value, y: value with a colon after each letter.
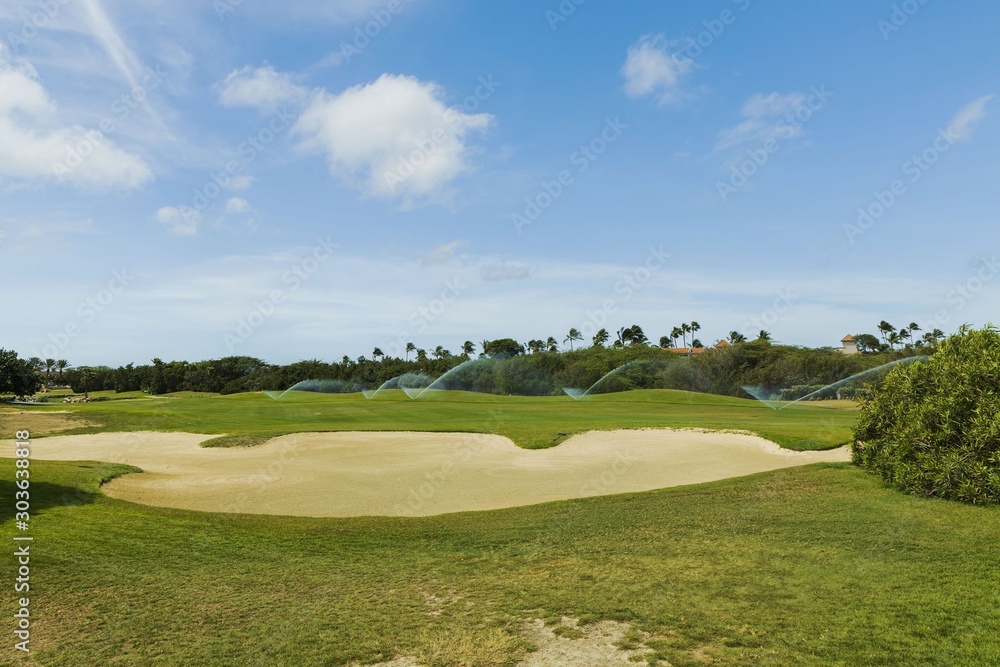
x: 848, y: 339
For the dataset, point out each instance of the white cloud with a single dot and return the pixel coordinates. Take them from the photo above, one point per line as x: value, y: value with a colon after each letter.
x: 262, y: 88
x: 964, y: 124
x: 241, y: 182
x: 392, y: 138
x: 763, y: 120
x: 441, y: 253
x: 650, y: 69
x: 34, y: 147
x: 179, y: 221
x: 237, y: 205
x: 493, y: 272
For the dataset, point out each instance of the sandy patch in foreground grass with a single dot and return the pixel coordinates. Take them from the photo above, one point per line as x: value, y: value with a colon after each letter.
x: 569, y: 644
x: 414, y: 474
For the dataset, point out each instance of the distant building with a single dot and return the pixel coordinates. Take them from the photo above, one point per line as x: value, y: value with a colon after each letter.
x: 850, y: 344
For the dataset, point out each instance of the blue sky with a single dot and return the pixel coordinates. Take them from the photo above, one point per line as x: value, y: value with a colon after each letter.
x: 295, y: 180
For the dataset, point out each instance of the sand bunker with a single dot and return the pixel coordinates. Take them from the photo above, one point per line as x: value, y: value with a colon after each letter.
x: 413, y: 474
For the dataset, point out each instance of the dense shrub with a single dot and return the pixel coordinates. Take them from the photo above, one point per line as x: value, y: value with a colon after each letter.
x: 933, y: 427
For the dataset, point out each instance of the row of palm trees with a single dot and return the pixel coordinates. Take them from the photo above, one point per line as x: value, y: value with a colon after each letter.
x: 626, y: 336
x: 48, y: 365
x: 891, y: 336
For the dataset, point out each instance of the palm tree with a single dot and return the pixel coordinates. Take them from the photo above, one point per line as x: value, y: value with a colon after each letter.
x: 36, y: 363
x: 912, y: 329
x: 695, y: 343
x: 735, y: 337
x: 61, y: 365
x: 483, y: 344
x: 695, y: 328
x: 894, y: 338
x: 574, y: 335
x: 376, y: 353
x: 932, y: 337
x: 468, y: 348
x: 675, y: 333
x: 685, y: 330
x: 410, y: 347
x: 664, y: 341
x: 601, y: 337
x: 885, y: 329
x: 49, y: 365
x: 552, y: 344
x: 764, y: 336
x: 638, y: 336
x: 345, y: 361
x: 624, y: 336
x: 421, y: 355
x: 438, y: 352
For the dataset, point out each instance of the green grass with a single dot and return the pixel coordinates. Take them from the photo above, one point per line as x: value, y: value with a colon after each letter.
x: 532, y: 422
x: 808, y: 566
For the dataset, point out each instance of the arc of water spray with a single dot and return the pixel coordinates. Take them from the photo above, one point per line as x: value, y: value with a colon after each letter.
x: 416, y: 392
x: 577, y: 394
x: 315, y: 386
x: 757, y: 392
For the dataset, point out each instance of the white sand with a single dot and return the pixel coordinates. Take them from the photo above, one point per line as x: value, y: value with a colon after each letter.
x: 413, y: 474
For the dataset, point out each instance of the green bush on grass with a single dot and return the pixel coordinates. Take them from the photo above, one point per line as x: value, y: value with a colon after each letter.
x: 933, y: 427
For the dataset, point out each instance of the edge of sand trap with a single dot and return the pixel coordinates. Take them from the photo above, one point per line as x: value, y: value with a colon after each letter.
x: 378, y: 473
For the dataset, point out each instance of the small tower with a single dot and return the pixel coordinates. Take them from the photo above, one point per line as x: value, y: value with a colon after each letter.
x: 850, y: 344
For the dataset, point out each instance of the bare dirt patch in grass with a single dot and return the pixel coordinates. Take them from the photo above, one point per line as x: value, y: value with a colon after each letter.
x: 39, y: 422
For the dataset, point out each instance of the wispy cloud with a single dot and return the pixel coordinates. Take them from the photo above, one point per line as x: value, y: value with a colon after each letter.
x: 179, y: 221
x: 764, y: 118
x: 652, y: 70
x: 496, y: 271
x: 262, y: 88
x: 965, y: 122
x: 441, y: 253
x: 112, y: 43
